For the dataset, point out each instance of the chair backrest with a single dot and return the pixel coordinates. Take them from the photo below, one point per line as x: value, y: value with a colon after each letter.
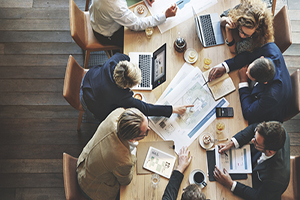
x: 78, y: 25
x: 73, y: 77
x: 293, y: 190
x: 295, y: 104
x: 72, y: 189
x: 282, y: 29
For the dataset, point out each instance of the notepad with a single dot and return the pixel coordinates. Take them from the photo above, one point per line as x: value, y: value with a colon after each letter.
x: 159, y: 162
x: 220, y: 87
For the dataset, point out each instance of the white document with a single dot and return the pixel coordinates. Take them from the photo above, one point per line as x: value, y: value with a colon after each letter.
x: 184, y: 129
x: 236, y: 161
x: 184, y: 10
x: 159, y: 162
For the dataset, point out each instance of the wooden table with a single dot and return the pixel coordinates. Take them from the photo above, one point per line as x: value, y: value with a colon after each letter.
x: 140, y: 187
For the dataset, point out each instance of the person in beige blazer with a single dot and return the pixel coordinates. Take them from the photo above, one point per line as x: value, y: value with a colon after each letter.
x: 107, y: 162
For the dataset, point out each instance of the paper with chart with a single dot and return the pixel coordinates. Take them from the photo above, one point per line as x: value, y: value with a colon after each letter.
x: 236, y: 161
x: 159, y: 162
x: 184, y: 129
x: 184, y: 10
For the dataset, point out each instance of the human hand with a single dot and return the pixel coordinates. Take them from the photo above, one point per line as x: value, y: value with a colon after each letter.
x: 242, y: 74
x: 229, y: 23
x: 181, y: 109
x: 216, y: 72
x: 150, y: 2
x: 223, y: 177
x: 171, y: 12
x: 225, y: 146
x: 184, y: 159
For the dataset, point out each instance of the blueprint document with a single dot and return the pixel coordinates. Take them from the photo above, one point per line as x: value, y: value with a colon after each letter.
x: 184, y: 10
x: 236, y: 161
x: 184, y: 129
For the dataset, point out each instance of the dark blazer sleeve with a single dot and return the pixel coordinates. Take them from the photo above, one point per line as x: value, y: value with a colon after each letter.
x: 260, y: 106
x: 147, y: 108
x: 244, y: 136
x: 173, y: 186
x: 269, y: 190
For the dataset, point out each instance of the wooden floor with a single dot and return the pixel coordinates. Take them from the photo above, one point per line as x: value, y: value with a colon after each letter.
x: 36, y: 124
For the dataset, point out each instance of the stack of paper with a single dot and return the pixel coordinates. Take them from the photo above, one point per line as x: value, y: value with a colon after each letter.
x: 186, y: 89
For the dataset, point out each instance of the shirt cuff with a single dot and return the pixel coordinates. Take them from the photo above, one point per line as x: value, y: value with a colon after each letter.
x: 235, y: 142
x: 243, y: 84
x: 162, y: 17
x: 233, y: 186
x: 226, y: 67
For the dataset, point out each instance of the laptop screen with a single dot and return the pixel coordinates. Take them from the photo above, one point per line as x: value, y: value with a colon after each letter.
x: 159, y: 66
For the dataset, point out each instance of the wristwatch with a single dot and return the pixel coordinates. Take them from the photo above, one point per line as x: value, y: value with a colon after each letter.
x: 230, y: 43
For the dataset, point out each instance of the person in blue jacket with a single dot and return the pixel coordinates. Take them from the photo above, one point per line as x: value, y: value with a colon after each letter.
x: 269, y: 98
x: 105, y: 88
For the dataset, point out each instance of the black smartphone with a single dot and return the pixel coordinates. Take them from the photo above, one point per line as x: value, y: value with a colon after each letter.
x: 224, y: 112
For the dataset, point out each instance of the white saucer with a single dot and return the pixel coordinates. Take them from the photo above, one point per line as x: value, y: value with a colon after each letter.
x: 206, y: 146
x: 138, y: 14
x: 186, y: 55
x: 191, y: 177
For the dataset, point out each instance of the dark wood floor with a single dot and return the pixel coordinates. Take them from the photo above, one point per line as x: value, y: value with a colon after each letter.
x: 36, y: 124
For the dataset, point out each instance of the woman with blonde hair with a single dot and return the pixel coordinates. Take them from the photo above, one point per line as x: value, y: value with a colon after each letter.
x: 108, y: 87
x: 248, y: 26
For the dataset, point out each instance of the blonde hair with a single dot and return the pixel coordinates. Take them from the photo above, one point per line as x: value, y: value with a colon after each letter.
x: 127, y: 74
x: 129, y: 124
x: 255, y: 14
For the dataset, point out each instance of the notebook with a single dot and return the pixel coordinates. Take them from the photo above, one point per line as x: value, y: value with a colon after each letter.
x: 208, y: 29
x: 153, y: 67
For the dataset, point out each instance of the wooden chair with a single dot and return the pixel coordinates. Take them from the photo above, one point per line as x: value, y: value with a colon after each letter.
x: 282, y: 29
x: 293, y: 190
x: 72, y: 189
x: 73, y: 77
x: 295, y: 104
x: 87, y: 3
x: 82, y: 33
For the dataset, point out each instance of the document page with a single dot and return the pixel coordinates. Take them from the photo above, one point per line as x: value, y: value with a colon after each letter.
x: 236, y: 161
x: 184, y: 129
x: 184, y: 10
x: 220, y: 87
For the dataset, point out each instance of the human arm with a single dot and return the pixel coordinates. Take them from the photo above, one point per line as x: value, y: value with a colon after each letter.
x: 124, y: 173
x: 125, y: 17
x: 150, y: 2
x: 172, y: 188
x: 260, y: 105
x: 180, y: 109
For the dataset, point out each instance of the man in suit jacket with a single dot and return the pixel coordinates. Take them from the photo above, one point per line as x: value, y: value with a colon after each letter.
x: 269, y: 98
x: 106, y: 162
x: 271, y: 175
x: 105, y: 88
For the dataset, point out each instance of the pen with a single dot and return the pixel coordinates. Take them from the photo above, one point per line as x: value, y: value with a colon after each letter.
x: 180, y: 2
x: 224, y: 152
x: 206, y: 82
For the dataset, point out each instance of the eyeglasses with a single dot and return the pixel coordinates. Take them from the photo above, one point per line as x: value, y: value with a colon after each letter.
x: 241, y: 31
x: 257, y: 146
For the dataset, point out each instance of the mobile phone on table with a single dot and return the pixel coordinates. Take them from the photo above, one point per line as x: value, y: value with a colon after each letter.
x: 224, y: 112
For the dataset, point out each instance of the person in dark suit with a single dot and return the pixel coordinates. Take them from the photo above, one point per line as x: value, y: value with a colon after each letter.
x: 269, y: 99
x: 270, y: 162
x: 105, y: 88
x: 192, y: 191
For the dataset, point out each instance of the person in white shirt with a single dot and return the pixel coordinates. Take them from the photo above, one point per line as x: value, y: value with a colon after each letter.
x: 109, y: 17
x: 270, y: 161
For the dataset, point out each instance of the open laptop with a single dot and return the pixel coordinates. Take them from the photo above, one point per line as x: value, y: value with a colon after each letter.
x: 153, y: 67
x: 208, y: 29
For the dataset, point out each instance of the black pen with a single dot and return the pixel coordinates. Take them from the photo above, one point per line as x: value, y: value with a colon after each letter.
x: 206, y: 82
x: 224, y: 151
x: 180, y: 2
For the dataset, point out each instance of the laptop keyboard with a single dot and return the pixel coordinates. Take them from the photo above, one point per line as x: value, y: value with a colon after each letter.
x: 144, y: 65
x: 207, y: 29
